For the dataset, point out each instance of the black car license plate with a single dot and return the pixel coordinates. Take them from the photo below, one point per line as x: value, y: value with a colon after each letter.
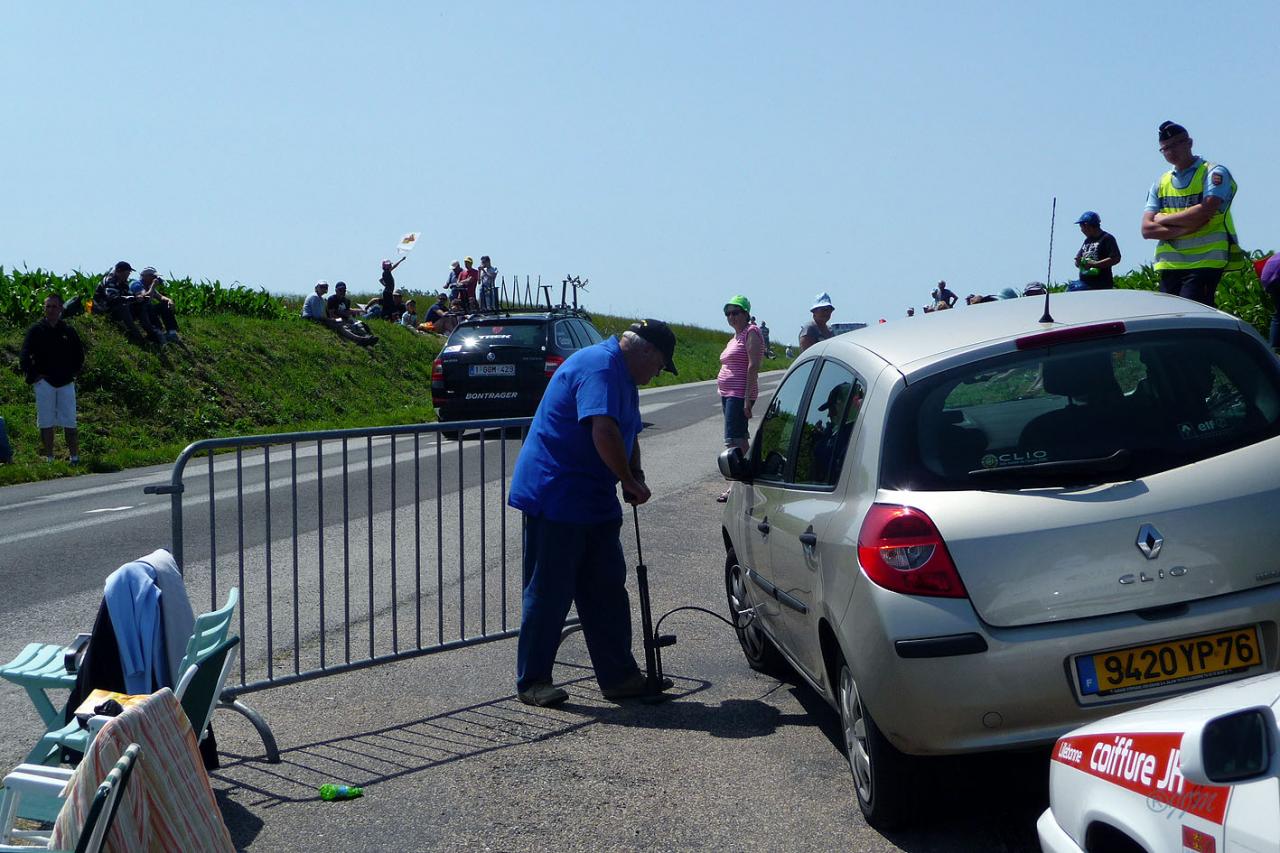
x: 491, y: 370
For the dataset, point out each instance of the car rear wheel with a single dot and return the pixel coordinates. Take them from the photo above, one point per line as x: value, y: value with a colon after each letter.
x: 880, y: 772
x: 759, y: 650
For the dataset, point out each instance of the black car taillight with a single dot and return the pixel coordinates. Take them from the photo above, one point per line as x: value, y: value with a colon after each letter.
x: 437, y: 371
x: 551, y: 364
x: 900, y: 549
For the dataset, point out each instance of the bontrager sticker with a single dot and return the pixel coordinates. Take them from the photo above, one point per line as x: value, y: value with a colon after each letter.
x: 1001, y: 460
x: 491, y: 395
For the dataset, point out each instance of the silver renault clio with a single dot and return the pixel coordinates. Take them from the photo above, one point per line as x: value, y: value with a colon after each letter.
x: 974, y: 530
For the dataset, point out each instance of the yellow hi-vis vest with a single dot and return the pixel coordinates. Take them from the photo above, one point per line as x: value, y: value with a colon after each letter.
x: 1211, y: 246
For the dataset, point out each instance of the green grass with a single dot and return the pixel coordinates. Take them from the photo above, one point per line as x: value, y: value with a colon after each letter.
x: 243, y: 375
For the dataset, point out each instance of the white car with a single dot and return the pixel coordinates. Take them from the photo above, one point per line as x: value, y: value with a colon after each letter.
x: 1195, y: 773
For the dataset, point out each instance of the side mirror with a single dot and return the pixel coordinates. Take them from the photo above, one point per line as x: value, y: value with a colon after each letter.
x: 733, y: 465
x: 1235, y: 747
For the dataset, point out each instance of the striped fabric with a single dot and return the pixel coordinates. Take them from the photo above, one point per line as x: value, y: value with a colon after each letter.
x: 168, y: 805
x: 732, y: 379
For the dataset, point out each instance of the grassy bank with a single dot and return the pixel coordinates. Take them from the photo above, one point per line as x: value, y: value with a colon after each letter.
x: 239, y: 375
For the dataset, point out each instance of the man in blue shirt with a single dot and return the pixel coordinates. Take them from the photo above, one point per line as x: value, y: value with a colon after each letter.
x: 581, y: 445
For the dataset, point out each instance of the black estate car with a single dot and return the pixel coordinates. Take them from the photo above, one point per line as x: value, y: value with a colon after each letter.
x: 498, y: 365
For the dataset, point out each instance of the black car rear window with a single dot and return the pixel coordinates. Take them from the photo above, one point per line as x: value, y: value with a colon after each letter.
x: 500, y: 333
x: 1099, y: 411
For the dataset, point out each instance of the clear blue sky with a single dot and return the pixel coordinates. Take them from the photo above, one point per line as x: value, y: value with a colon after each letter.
x: 675, y: 154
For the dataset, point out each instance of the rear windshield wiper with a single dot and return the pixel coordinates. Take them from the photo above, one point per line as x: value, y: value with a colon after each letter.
x: 1117, y: 461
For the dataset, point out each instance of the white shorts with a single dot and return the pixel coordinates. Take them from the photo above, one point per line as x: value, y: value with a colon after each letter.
x: 55, y: 407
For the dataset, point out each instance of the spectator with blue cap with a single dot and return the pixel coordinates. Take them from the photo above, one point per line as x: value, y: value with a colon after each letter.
x: 1097, y: 255
x: 811, y: 333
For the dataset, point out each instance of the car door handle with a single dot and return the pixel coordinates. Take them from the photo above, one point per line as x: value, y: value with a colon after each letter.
x: 763, y: 527
x: 808, y: 539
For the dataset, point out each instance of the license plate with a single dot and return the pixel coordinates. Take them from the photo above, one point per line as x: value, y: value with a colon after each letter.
x: 1169, y: 662
x: 491, y: 370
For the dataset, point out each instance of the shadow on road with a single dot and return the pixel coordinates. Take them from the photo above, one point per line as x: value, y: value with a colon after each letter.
x: 378, y: 755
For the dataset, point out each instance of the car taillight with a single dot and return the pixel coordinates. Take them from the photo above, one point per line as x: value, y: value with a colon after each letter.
x: 437, y: 371
x: 900, y: 549
x: 552, y: 362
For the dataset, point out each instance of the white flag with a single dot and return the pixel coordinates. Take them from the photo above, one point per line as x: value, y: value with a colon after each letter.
x: 407, y: 242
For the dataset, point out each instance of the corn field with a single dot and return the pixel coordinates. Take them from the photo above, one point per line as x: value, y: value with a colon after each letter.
x: 22, y: 295
x: 1240, y: 293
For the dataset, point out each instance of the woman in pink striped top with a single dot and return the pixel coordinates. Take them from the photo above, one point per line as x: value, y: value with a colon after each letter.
x: 739, y: 375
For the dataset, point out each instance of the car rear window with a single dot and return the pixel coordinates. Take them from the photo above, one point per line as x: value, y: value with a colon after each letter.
x: 500, y: 334
x: 1099, y: 411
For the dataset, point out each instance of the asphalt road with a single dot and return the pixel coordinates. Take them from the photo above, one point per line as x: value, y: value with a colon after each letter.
x: 737, y: 760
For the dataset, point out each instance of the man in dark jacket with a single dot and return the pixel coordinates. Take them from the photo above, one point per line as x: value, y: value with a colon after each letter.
x: 51, y: 358
x: 114, y: 299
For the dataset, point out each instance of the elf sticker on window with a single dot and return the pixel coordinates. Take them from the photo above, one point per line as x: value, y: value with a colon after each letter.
x: 1190, y: 430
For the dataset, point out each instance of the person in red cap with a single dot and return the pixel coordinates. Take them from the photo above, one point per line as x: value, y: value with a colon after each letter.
x: 581, y: 445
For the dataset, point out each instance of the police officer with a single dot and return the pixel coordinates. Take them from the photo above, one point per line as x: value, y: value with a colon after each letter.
x: 1189, y: 212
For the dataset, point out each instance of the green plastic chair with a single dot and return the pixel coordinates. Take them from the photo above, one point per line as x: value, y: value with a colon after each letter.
x: 48, y: 781
x: 198, y: 691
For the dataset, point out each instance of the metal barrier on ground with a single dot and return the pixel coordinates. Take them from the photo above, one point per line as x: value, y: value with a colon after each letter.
x: 350, y: 548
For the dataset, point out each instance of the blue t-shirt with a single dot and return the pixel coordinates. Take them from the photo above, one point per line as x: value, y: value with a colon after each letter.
x: 559, y: 475
x: 1182, y: 177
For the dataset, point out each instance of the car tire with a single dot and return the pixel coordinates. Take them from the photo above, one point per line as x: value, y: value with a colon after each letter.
x: 881, y: 774
x: 761, y: 654
x: 447, y: 434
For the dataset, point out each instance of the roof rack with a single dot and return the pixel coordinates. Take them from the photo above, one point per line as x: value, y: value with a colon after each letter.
x: 517, y: 298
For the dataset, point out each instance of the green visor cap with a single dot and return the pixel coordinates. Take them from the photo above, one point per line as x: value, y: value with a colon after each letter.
x: 740, y: 301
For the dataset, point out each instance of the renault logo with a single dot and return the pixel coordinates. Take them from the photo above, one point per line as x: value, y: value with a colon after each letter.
x: 1149, y: 541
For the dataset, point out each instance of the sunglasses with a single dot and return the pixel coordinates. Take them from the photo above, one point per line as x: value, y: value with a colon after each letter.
x: 734, y: 313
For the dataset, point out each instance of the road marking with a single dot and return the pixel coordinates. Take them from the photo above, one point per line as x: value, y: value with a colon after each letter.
x: 108, y: 509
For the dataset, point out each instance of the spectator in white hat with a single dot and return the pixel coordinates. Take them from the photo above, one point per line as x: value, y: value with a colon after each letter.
x: 818, y: 330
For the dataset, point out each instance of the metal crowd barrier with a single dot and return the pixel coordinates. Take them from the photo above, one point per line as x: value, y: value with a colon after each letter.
x: 351, y: 548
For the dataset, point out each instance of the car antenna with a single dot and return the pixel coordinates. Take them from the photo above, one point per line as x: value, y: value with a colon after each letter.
x: 1053, y: 215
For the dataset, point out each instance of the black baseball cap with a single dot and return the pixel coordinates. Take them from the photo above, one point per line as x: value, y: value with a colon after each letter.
x: 124, y: 265
x: 1170, y: 130
x: 660, y: 335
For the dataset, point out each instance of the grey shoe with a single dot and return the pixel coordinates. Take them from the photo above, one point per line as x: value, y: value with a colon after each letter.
x: 543, y: 695
x: 636, y: 684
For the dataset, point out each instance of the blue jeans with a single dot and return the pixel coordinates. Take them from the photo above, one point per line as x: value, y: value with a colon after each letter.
x: 582, y: 564
x: 735, y: 420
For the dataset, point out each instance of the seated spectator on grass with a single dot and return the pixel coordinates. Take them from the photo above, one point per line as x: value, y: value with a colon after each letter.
x: 314, y: 307
x: 409, y: 317
x: 437, y: 310
x: 397, y: 306
x: 112, y: 299
x: 160, y: 305
x: 342, y: 319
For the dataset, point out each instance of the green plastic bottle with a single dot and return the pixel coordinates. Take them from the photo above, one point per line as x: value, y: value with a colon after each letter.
x: 340, y: 792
